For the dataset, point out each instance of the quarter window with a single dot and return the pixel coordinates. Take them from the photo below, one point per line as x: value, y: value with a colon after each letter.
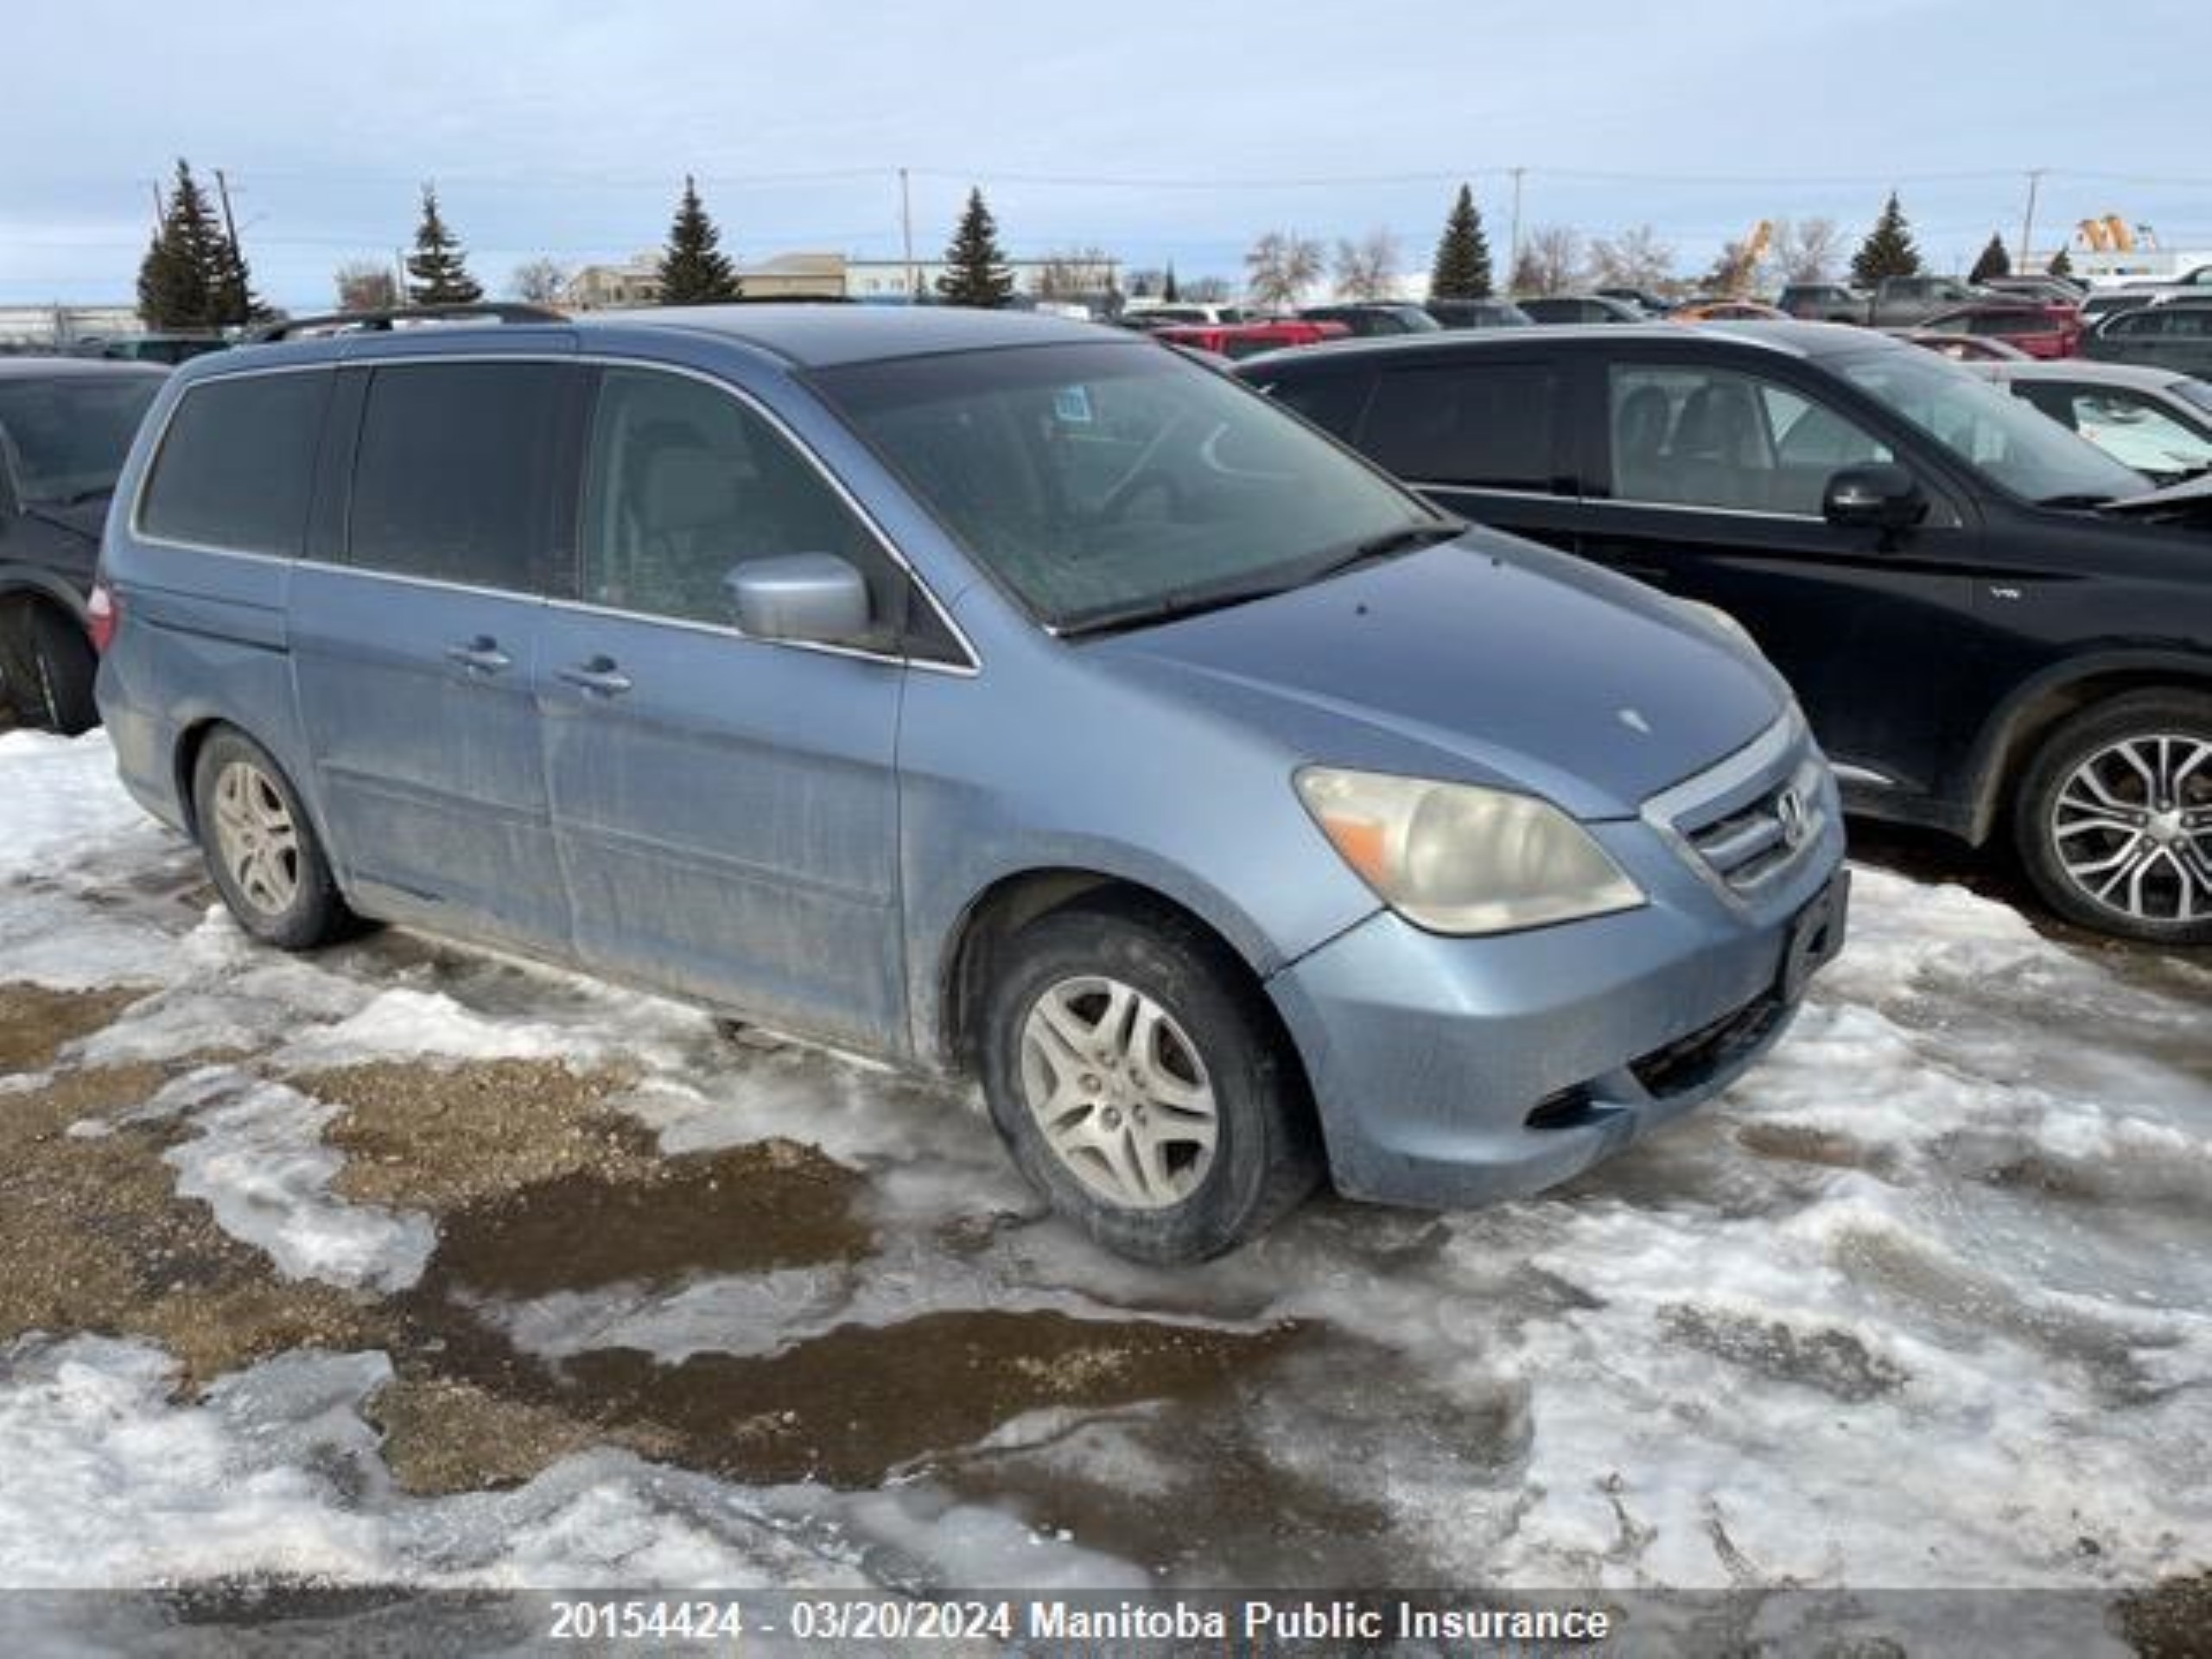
x: 236, y: 468
x: 456, y: 477
x: 1493, y: 424
x: 1714, y: 438
x: 684, y: 483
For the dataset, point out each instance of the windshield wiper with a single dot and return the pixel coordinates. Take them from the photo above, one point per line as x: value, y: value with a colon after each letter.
x: 1166, y: 608
x: 1382, y: 547
x: 2077, y: 501
x: 1190, y: 602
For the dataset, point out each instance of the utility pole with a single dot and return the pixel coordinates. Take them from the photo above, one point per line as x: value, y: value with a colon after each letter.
x: 1513, y: 269
x: 229, y: 224
x: 2028, y: 220
x: 906, y: 234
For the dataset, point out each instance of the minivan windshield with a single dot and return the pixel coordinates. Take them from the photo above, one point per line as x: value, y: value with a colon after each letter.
x: 2013, y: 442
x: 68, y: 436
x: 1106, y: 485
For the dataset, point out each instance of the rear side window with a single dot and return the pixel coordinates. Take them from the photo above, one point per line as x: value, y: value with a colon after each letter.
x: 237, y: 465
x: 1331, y: 402
x: 1493, y: 424
x: 457, y: 475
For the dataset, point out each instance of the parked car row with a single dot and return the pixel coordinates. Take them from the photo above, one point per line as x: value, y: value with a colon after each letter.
x: 1000, y: 695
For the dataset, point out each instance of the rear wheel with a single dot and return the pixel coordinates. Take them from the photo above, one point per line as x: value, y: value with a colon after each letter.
x: 262, y: 851
x: 49, y: 669
x: 2114, y: 817
x: 1135, y: 1073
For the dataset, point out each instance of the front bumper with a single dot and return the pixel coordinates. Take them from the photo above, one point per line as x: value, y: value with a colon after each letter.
x: 1455, y: 1071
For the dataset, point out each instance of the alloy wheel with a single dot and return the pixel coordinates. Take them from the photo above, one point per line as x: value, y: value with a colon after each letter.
x: 2132, y: 827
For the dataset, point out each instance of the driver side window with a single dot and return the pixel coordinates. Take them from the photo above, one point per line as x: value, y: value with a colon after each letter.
x: 1704, y: 437
x: 682, y: 482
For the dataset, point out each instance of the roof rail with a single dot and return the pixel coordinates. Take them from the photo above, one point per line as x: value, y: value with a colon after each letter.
x: 340, y: 322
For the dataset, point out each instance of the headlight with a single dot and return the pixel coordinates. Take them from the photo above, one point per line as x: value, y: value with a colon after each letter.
x: 1456, y: 859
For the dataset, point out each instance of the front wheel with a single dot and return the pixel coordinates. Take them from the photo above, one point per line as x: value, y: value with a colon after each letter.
x: 2114, y: 818
x: 262, y: 850
x: 1135, y: 1074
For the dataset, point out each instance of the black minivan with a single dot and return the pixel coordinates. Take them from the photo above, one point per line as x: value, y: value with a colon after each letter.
x: 1990, y: 623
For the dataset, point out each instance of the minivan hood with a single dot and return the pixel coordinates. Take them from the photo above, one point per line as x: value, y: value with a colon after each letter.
x: 1488, y: 659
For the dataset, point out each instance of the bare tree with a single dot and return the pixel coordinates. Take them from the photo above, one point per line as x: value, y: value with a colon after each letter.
x: 1205, y: 290
x: 1280, y: 267
x: 1809, y: 250
x: 1367, y: 268
x: 366, y: 285
x: 539, y: 282
x: 1082, y: 274
x: 1635, y: 258
x: 1551, y: 260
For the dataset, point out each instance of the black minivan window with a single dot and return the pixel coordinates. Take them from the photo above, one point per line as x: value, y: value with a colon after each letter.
x: 1489, y: 423
x: 237, y: 466
x: 457, y: 475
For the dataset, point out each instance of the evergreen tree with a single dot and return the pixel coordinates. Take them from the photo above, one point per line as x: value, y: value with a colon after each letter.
x: 1994, y: 261
x: 187, y: 278
x: 2062, y: 265
x: 1888, y: 249
x: 694, y: 270
x: 437, y: 271
x: 975, y: 270
x: 1461, y: 271
x: 1168, y: 292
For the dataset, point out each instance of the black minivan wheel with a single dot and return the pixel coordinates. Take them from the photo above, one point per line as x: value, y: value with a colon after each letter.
x: 1135, y: 1073
x: 2114, y: 818
x: 49, y: 669
x: 261, y: 848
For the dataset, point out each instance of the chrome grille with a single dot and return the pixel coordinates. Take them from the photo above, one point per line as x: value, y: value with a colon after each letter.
x: 1753, y: 845
x: 1748, y: 820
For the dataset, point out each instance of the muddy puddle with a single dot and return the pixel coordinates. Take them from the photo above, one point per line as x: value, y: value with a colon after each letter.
x: 538, y: 1185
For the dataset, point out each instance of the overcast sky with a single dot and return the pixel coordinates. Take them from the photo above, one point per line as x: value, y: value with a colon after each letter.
x: 1154, y: 130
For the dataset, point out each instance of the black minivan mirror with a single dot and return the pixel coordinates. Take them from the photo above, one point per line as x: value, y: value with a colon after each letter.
x: 1883, y: 495
x: 816, y: 598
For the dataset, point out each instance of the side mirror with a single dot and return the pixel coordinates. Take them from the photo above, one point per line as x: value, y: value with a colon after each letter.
x: 1883, y: 496
x: 814, y: 598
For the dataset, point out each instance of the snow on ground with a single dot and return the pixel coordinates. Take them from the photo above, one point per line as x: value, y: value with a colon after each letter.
x: 1922, y: 1301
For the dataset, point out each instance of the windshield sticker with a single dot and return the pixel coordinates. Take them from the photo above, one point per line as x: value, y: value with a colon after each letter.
x: 1071, y: 405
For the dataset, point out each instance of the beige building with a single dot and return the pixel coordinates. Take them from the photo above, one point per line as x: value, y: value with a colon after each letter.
x: 636, y: 281
x: 793, y: 276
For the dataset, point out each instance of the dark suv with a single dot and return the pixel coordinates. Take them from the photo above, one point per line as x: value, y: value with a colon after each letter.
x: 1988, y: 621
x: 66, y: 426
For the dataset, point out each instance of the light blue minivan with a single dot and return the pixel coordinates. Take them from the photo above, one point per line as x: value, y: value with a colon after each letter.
x: 1012, y: 697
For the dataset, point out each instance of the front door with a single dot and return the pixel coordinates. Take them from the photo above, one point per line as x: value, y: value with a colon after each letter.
x: 726, y: 808
x: 414, y: 638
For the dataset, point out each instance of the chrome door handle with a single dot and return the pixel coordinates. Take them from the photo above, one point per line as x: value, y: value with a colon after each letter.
x: 600, y: 676
x: 482, y: 655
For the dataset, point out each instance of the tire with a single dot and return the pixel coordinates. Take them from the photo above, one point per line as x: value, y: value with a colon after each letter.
x: 262, y: 850
x: 1196, y: 1037
x: 48, y: 670
x: 2113, y: 817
